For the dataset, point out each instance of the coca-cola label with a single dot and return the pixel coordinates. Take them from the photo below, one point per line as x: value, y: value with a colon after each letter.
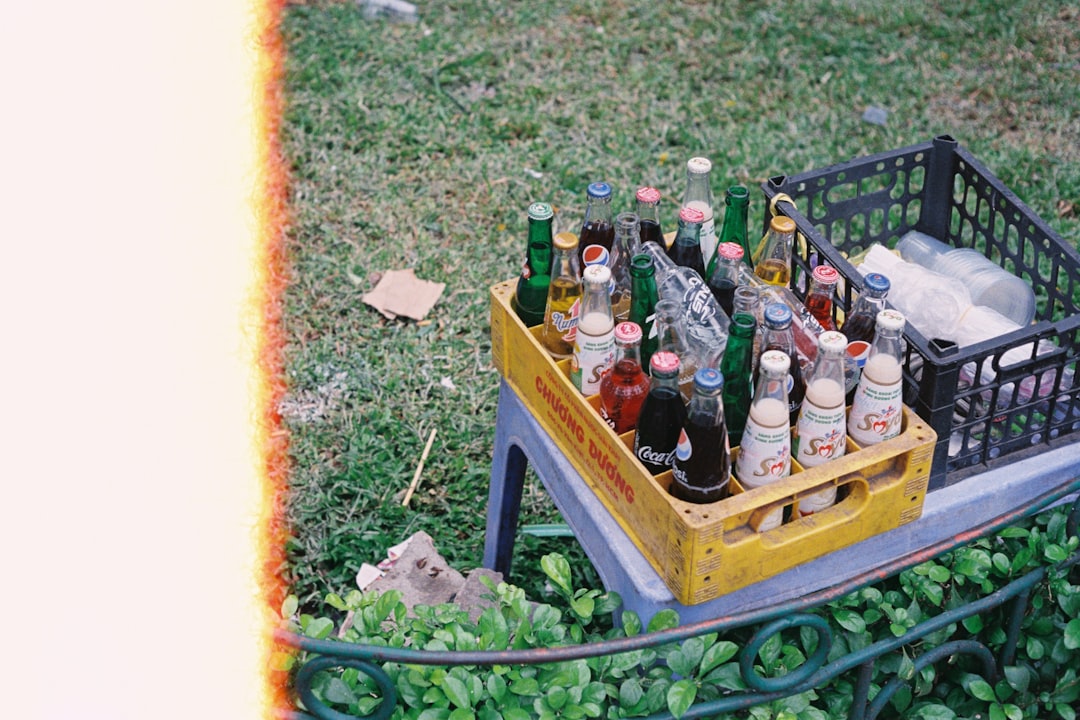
x: 647, y: 455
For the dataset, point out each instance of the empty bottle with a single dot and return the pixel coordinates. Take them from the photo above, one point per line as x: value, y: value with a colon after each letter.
x: 765, y: 452
x: 701, y: 468
x: 699, y: 196
x: 662, y: 415
x: 623, y: 390
x: 530, y: 296
x: 686, y: 248
x: 643, y: 299
x: 564, y: 298
x: 724, y: 276
x: 738, y: 369
x: 773, y: 264
x: 671, y: 336
x: 821, y: 430
x: 597, y: 231
x: 735, y: 225
x: 647, y: 207
x: 624, y: 247
x: 876, y: 411
x: 594, y: 342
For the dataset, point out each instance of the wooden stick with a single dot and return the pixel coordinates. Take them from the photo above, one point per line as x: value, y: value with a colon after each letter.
x: 419, y: 468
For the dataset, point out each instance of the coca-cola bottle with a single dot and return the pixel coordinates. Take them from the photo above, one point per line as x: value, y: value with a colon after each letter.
x: 597, y: 231
x: 724, y: 277
x: 622, y: 250
x: 643, y: 299
x: 778, y: 337
x: 648, y: 210
x: 819, y: 297
x: 701, y: 469
x: 564, y: 298
x: 623, y: 390
x: 530, y: 296
x: 765, y: 452
x: 685, y: 249
x: 773, y: 264
x: 699, y: 196
x: 662, y: 415
x: 594, y: 342
x: 821, y: 431
x: 877, y: 410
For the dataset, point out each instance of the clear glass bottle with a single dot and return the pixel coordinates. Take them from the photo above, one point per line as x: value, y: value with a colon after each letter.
x: 737, y: 368
x: 686, y: 248
x: 647, y: 207
x: 626, y: 245
x: 701, y: 469
x: 765, y: 452
x: 773, y: 264
x: 724, y: 276
x: 662, y: 415
x: 623, y: 390
x: 778, y: 336
x: 530, y: 296
x: 643, y: 299
x: 597, y: 230
x: 594, y: 342
x: 821, y: 430
x: 877, y: 409
x: 859, y: 328
x: 564, y: 298
x: 671, y: 336
x: 699, y: 196
x: 747, y: 299
x: 819, y: 297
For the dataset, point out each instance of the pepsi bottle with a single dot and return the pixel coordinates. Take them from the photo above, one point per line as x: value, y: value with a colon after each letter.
x: 701, y: 471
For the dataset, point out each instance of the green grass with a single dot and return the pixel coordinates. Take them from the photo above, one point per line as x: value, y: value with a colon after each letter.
x: 418, y: 145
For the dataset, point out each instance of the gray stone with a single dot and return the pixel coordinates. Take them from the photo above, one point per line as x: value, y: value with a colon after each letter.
x: 474, y: 595
x: 421, y: 574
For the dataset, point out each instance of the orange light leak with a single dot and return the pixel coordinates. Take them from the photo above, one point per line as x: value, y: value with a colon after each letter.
x: 271, y: 438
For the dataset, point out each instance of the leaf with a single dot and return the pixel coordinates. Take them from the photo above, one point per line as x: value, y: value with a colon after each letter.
x: 583, y: 607
x: 289, y: 606
x: 680, y: 696
x: 849, y: 620
x: 1002, y: 563
x: 516, y: 714
x: 319, y: 628
x: 933, y: 593
x: 1065, y: 711
x: 631, y: 623
x: 1072, y: 634
x: 282, y: 661
x: 386, y: 604
x: 1013, y: 712
x: 973, y: 624
x: 719, y: 653
x: 996, y: 712
x: 934, y: 712
x: 1014, y: 532
x: 630, y: 693
x: 338, y: 692
x: 333, y: 600
x: 556, y: 697
x: 939, y: 573
x: 434, y: 714
x: 462, y: 714
x: 557, y: 569
x: 727, y: 676
x: 979, y: 688
x: 1055, y: 553
x: 666, y: 619
x: 684, y: 661
x: 525, y: 686
x: 496, y: 687
x: 1018, y: 677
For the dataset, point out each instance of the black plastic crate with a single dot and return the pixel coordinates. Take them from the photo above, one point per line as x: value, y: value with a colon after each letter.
x: 986, y: 409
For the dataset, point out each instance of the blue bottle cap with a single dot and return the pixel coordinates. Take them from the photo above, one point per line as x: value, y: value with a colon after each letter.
x: 709, y: 379
x: 599, y: 190
x: 876, y: 282
x: 777, y: 315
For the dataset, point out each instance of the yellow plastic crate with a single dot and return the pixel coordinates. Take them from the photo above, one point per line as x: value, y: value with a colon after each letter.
x: 703, y: 551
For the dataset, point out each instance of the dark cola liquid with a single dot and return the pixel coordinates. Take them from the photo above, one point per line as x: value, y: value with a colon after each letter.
x: 659, y: 424
x: 724, y: 292
x: 650, y: 231
x: 687, y: 255
x: 859, y: 327
x: 595, y: 232
x: 703, y: 477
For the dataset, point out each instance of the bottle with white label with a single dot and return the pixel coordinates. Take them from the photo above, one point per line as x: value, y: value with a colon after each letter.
x: 876, y: 411
x: 700, y: 197
x: 765, y: 452
x: 594, y: 342
x: 821, y: 430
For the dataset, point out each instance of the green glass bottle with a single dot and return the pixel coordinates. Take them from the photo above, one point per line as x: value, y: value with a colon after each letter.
x: 643, y: 299
x: 734, y: 229
x: 737, y: 369
x: 530, y: 298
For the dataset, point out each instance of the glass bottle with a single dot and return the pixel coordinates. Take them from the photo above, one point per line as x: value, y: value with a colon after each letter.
x: 737, y: 370
x: 699, y: 196
x: 701, y: 468
x: 876, y: 410
x: 778, y: 337
x: 648, y: 210
x: 597, y: 231
x: 734, y: 228
x: 765, y: 452
x: 670, y: 324
x: 662, y: 415
x: 643, y: 299
x: 773, y: 264
x: 686, y: 248
x: 564, y: 298
x: 747, y: 300
x: 530, y: 296
x: 624, y: 388
x: 819, y: 297
x: 859, y: 327
x: 821, y: 431
x: 724, y: 276
x: 626, y: 245
x: 594, y: 342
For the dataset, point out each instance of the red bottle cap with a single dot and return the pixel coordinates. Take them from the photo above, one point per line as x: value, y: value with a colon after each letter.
x: 826, y: 275
x: 689, y: 214
x: 628, y: 332
x: 664, y: 362
x: 648, y: 195
x: 730, y: 250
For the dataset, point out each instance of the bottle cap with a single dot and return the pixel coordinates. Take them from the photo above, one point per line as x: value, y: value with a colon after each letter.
x: 699, y: 165
x: 891, y: 320
x: 599, y: 190
x: 730, y: 251
x: 782, y: 224
x: 648, y: 194
x: 826, y: 275
x: 743, y: 324
x: 708, y: 379
x: 597, y: 275
x: 665, y: 362
x: 641, y: 264
x: 689, y: 214
x: 777, y: 316
x: 832, y: 341
x: 628, y: 332
x: 540, y: 211
x: 774, y: 362
x: 565, y: 241
x: 876, y: 282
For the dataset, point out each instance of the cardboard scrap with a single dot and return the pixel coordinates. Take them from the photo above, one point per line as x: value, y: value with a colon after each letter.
x: 400, y: 292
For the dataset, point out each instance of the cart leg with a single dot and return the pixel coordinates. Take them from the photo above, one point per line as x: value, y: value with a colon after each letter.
x: 508, y: 467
